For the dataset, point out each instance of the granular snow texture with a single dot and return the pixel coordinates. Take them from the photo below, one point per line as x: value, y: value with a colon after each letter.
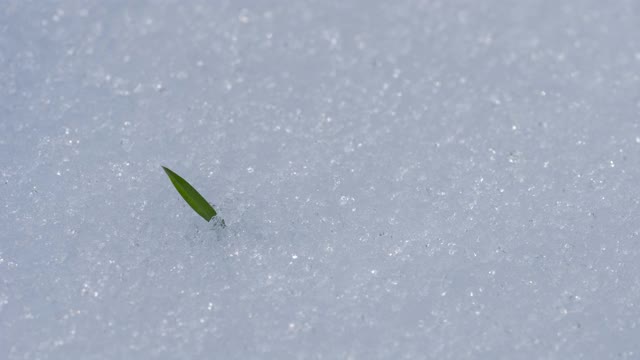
x: 400, y: 179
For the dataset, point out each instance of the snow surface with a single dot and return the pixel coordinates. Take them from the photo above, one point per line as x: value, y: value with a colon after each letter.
x: 400, y: 179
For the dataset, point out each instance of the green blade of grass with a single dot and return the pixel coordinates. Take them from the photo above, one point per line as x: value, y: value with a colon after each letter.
x: 191, y: 196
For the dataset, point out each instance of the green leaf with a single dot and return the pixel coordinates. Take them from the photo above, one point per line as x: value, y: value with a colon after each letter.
x: 191, y: 196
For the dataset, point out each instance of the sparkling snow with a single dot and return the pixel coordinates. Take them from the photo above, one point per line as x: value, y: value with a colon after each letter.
x: 400, y: 179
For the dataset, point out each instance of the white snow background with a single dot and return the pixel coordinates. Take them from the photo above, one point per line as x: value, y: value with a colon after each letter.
x: 400, y: 179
